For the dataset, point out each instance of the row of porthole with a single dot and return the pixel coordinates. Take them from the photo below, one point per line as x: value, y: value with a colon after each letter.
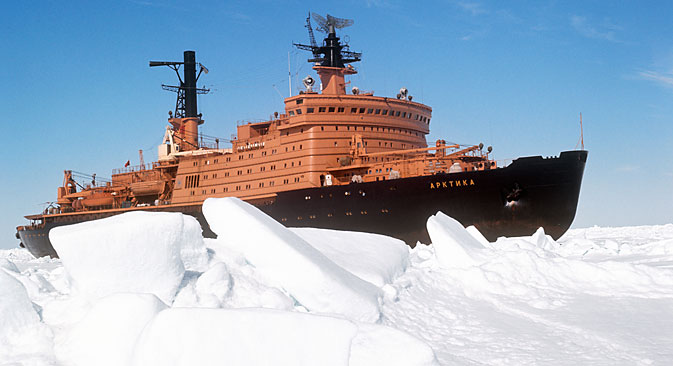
x: 347, y: 213
x: 361, y: 110
x: 247, y: 186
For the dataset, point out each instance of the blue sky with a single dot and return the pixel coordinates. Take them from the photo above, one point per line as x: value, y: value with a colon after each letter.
x: 78, y: 93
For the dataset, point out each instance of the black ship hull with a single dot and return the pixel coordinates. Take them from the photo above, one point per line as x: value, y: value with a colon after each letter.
x: 531, y: 192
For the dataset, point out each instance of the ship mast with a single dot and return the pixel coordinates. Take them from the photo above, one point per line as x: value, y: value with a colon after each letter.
x: 186, y: 120
x: 331, y: 58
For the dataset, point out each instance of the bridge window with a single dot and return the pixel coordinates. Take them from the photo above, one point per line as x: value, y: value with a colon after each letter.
x: 370, y: 110
x: 362, y: 110
x: 322, y: 109
x: 309, y: 110
x: 331, y: 109
x: 291, y: 113
x: 354, y: 110
x: 340, y: 109
x: 384, y: 112
x: 378, y: 111
x: 298, y: 111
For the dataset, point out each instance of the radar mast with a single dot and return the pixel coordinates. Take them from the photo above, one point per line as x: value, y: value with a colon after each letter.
x: 332, y: 56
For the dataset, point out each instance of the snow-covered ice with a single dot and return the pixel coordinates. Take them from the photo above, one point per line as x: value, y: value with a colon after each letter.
x: 182, y: 336
x: 131, y: 252
x: 377, y: 259
x: 108, y: 333
x: 261, y: 294
x: 282, y: 256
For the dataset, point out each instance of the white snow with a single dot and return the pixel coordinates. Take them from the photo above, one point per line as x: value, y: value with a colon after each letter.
x: 599, y: 296
x: 108, y: 332
x: 23, y: 338
x: 454, y: 246
x: 377, y: 259
x: 311, y: 278
x: 272, y: 337
x: 133, y: 252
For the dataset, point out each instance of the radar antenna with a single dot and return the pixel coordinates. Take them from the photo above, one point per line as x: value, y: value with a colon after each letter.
x: 332, y: 53
x: 185, y: 106
x: 328, y: 25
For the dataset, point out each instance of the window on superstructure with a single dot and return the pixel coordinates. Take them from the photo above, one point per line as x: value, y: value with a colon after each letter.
x: 370, y: 110
x: 293, y: 163
x: 292, y: 147
x: 331, y: 109
x: 205, y: 176
x: 409, y: 115
x: 239, y: 172
x: 296, y: 179
x: 251, y: 155
x: 378, y: 111
x: 272, y: 183
x: 238, y: 188
x: 298, y: 111
x: 384, y: 112
x: 226, y: 189
x: 336, y: 128
x: 404, y: 115
x: 362, y: 110
x: 284, y: 165
x: 226, y: 174
x: 335, y: 143
x: 212, y: 190
x: 299, y: 101
x: 309, y: 110
x: 354, y: 110
x: 261, y: 169
x: 348, y: 128
x: 299, y: 162
x: 300, y: 147
x: 322, y: 109
x: 215, y: 161
x: 247, y: 186
x: 228, y: 160
x: 340, y: 109
x: 261, y: 185
x: 291, y: 113
x: 322, y: 128
x: 249, y: 171
x: 397, y: 114
x: 214, y: 175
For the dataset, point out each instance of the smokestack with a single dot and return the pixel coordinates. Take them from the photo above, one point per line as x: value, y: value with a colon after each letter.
x: 190, y: 84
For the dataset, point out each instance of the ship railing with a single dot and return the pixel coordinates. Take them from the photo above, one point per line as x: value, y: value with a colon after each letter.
x: 135, y: 168
x: 250, y: 121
